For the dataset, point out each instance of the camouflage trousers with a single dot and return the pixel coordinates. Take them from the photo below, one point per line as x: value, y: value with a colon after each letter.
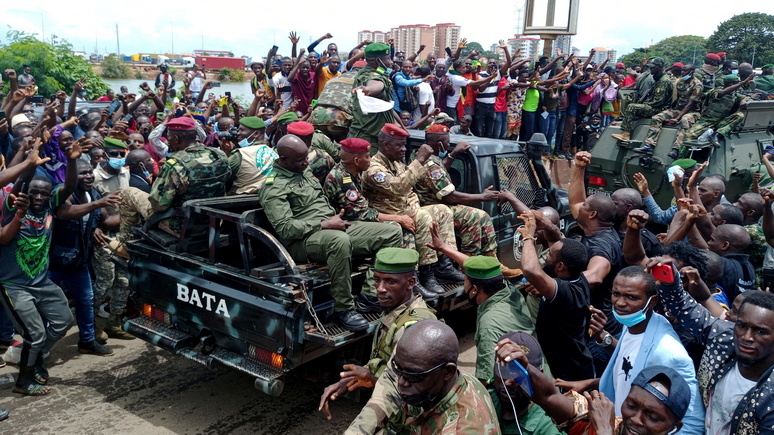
x: 109, y: 278
x: 722, y: 126
x: 476, y: 230
x: 134, y: 209
x: 423, y: 218
x: 657, y: 121
x: 634, y: 111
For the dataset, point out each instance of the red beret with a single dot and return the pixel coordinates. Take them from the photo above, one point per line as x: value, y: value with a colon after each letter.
x: 355, y: 145
x: 721, y: 53
x: 360, y: 64
x: 680, y: 64
x: 393, y: 130
x: 713, y: 56
x: 437, y: 128
x: 182, y: 123
x: 620, y: 65
x: 300, y: 128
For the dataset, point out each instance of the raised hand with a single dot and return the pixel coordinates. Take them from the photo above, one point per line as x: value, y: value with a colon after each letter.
x: 637, y: 219
x: 641, y: 182
x: 293, y: 38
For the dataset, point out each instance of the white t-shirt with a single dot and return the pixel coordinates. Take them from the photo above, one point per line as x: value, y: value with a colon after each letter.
x: 424, y: 96
x: 279, y: 81
x: 724, y: 400
x: 197, y: 81
x: 457, y: 83
x: 623, y: 370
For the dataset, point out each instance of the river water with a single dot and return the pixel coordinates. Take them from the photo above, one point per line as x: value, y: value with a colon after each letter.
x: 237, y: 89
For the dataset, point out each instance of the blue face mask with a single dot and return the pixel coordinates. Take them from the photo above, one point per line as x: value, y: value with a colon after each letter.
x: 443, y: 154
x: 146, y: 174
x: 116, y: 163
x: 687, y: 77
x: 245, y: 143
x: 735, y: 72
x: 633, y: 319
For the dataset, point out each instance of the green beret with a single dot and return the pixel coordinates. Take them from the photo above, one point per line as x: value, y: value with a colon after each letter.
x: 111, y: 142
x: 376, y: 49
x: 730, y: 79
x: 685, y: 163
x: 253, y: 122
x: 289, y: 116
x: 768, y: 65
x: 481, y: 266
x: 396, y: 260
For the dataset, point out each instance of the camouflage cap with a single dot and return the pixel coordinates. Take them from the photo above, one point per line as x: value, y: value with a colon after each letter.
x: 111, y: 142
x: 482, y: 267
x: 377, y: 49
x: 656, y: 61
x: 396, y: 260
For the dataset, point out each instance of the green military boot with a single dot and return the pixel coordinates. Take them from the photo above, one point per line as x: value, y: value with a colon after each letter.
x: 113, y: 328
x: 99, y: 330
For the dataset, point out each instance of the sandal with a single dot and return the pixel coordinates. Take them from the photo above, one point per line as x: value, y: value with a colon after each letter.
x: 32, y: 389
x: 41, y: 375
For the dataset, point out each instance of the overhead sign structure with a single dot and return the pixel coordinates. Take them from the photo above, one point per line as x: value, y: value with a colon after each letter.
x: 551, y: 17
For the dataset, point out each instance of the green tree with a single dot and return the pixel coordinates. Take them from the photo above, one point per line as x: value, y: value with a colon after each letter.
x: 114, y: 68
x: 54, y: 66
x: 683, y: 48
x: 469, y: 48
x: 489, y: 55
x: 746, y: 37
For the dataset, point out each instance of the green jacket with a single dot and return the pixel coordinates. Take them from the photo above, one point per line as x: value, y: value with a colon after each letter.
x: 662, y: 94
x: 294, y: 204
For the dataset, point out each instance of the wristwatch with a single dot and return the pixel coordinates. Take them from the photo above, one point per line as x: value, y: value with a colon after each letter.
x: 607, y: 340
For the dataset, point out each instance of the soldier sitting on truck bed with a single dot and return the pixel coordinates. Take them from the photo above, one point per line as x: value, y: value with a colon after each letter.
x: 310, y: 228
x: 395, y: 280
x: 254, y: 159
x: 193, y: 171
x: 720, y: 112
x: 654, y: 101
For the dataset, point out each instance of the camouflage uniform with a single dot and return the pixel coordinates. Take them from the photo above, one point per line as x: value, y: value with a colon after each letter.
x: 388, y: 186
x: 756, y: 250
x: 333, y: 111
x: 475, y: 225
x: 193, y: 173
x: 707, y: 78
x: 320, y: 163
x: 344, y: 191
x: 323, y: 142
x: 465, y: 409
x: 367, y: 126
x: 295, y: 205
x: 719, y: 113
x: 687, y: 92
x: 659, y: 99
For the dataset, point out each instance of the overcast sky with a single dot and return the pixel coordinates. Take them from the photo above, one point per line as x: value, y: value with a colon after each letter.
x: 251, y: 28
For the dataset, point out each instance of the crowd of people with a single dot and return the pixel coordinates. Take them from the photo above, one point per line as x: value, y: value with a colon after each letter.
x: 622, y: 331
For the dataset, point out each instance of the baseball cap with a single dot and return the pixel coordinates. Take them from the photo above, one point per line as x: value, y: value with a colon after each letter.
x: 679, y: 393
x: 528, y: 344
x: 656, y: 61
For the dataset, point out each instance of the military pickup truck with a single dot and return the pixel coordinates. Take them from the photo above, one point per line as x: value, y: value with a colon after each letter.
x: 226, y: 292
x: 613, y: 163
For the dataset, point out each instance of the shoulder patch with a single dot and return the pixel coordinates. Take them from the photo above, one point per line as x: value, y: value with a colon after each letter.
x: 352, y: 195
x: 171, y: 161
x: 346, y: 180
x: 379, y: 177
x: 435, y: 175
x: 270, y: 178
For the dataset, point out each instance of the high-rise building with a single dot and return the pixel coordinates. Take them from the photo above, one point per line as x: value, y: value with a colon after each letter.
x: 563, y: 43
x: 409, y: 37
x: 527, y: 45
x: 601, y: 53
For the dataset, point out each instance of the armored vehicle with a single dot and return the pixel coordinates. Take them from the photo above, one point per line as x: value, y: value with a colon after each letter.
x: 226, y: 292
x: 738, y: 157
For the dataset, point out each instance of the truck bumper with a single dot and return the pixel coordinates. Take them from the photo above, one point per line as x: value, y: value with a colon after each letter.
x: 267, y: 379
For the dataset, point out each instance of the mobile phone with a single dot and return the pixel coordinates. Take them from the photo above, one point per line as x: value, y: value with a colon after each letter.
x: 39, y: 99
x: 215, y: 84
x: 313, y: 103
x: 159, y: 115
x: 521, y: 376
x: 179, y: 113
x: 2, y: 114
x: 663, y: 273
x: 23, y: 188
x: 228, y: 94
x: 127, y: 118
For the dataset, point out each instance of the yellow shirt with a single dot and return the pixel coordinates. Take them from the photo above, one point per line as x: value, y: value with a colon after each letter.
x: 323, y: 78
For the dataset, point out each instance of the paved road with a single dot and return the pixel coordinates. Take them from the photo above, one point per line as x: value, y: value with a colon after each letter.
x: 145, y: 390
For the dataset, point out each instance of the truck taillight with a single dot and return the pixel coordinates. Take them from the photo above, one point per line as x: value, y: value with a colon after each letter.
x: 156, y: 314
x: 598, y: 181
x: 269, y: 358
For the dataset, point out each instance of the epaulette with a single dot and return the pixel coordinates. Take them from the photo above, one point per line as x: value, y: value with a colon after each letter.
x: 171, y: 162
x: 346, y: 180
x: 270, y: 178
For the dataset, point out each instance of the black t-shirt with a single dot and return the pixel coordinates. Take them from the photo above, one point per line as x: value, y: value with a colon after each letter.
x: 651, y: 244
x: 606, y: 244
x: 561, y: 327
x: 738, y: 275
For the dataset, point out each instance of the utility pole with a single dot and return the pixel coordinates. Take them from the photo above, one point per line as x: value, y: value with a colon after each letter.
x: 172, y: 33
x: 43, y: 28
x: 118, y: 43
x: 753, y: 56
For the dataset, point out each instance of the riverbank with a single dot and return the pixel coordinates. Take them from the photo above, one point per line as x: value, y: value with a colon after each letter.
x: 149, y: 72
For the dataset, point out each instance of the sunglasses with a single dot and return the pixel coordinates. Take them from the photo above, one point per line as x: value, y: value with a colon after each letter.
x: 28, y: 111
x: 116, y: 153
x: 414, y: 377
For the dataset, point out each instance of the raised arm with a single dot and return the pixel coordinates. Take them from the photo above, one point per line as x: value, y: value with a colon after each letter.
x: 577, y: 190
x: 530, y: 264
x: 634, y: 252
x: 294, y: 71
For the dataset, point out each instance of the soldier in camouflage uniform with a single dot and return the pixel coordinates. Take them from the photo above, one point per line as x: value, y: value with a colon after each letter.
x: 194, y: 171
x: 333, y: 112
x: 320, y: 162
x: 110, y: 278
x: 434, y: 397
x: 720, y: 111
x: 375, y: 82
x: 310, y: 228
x: 322, y: 142
x: 685, y: 111
x: 654, y: 102
x: 708, y: 71
x: 751, y: 204
x: 388, y: 185
x: 395, y: 280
